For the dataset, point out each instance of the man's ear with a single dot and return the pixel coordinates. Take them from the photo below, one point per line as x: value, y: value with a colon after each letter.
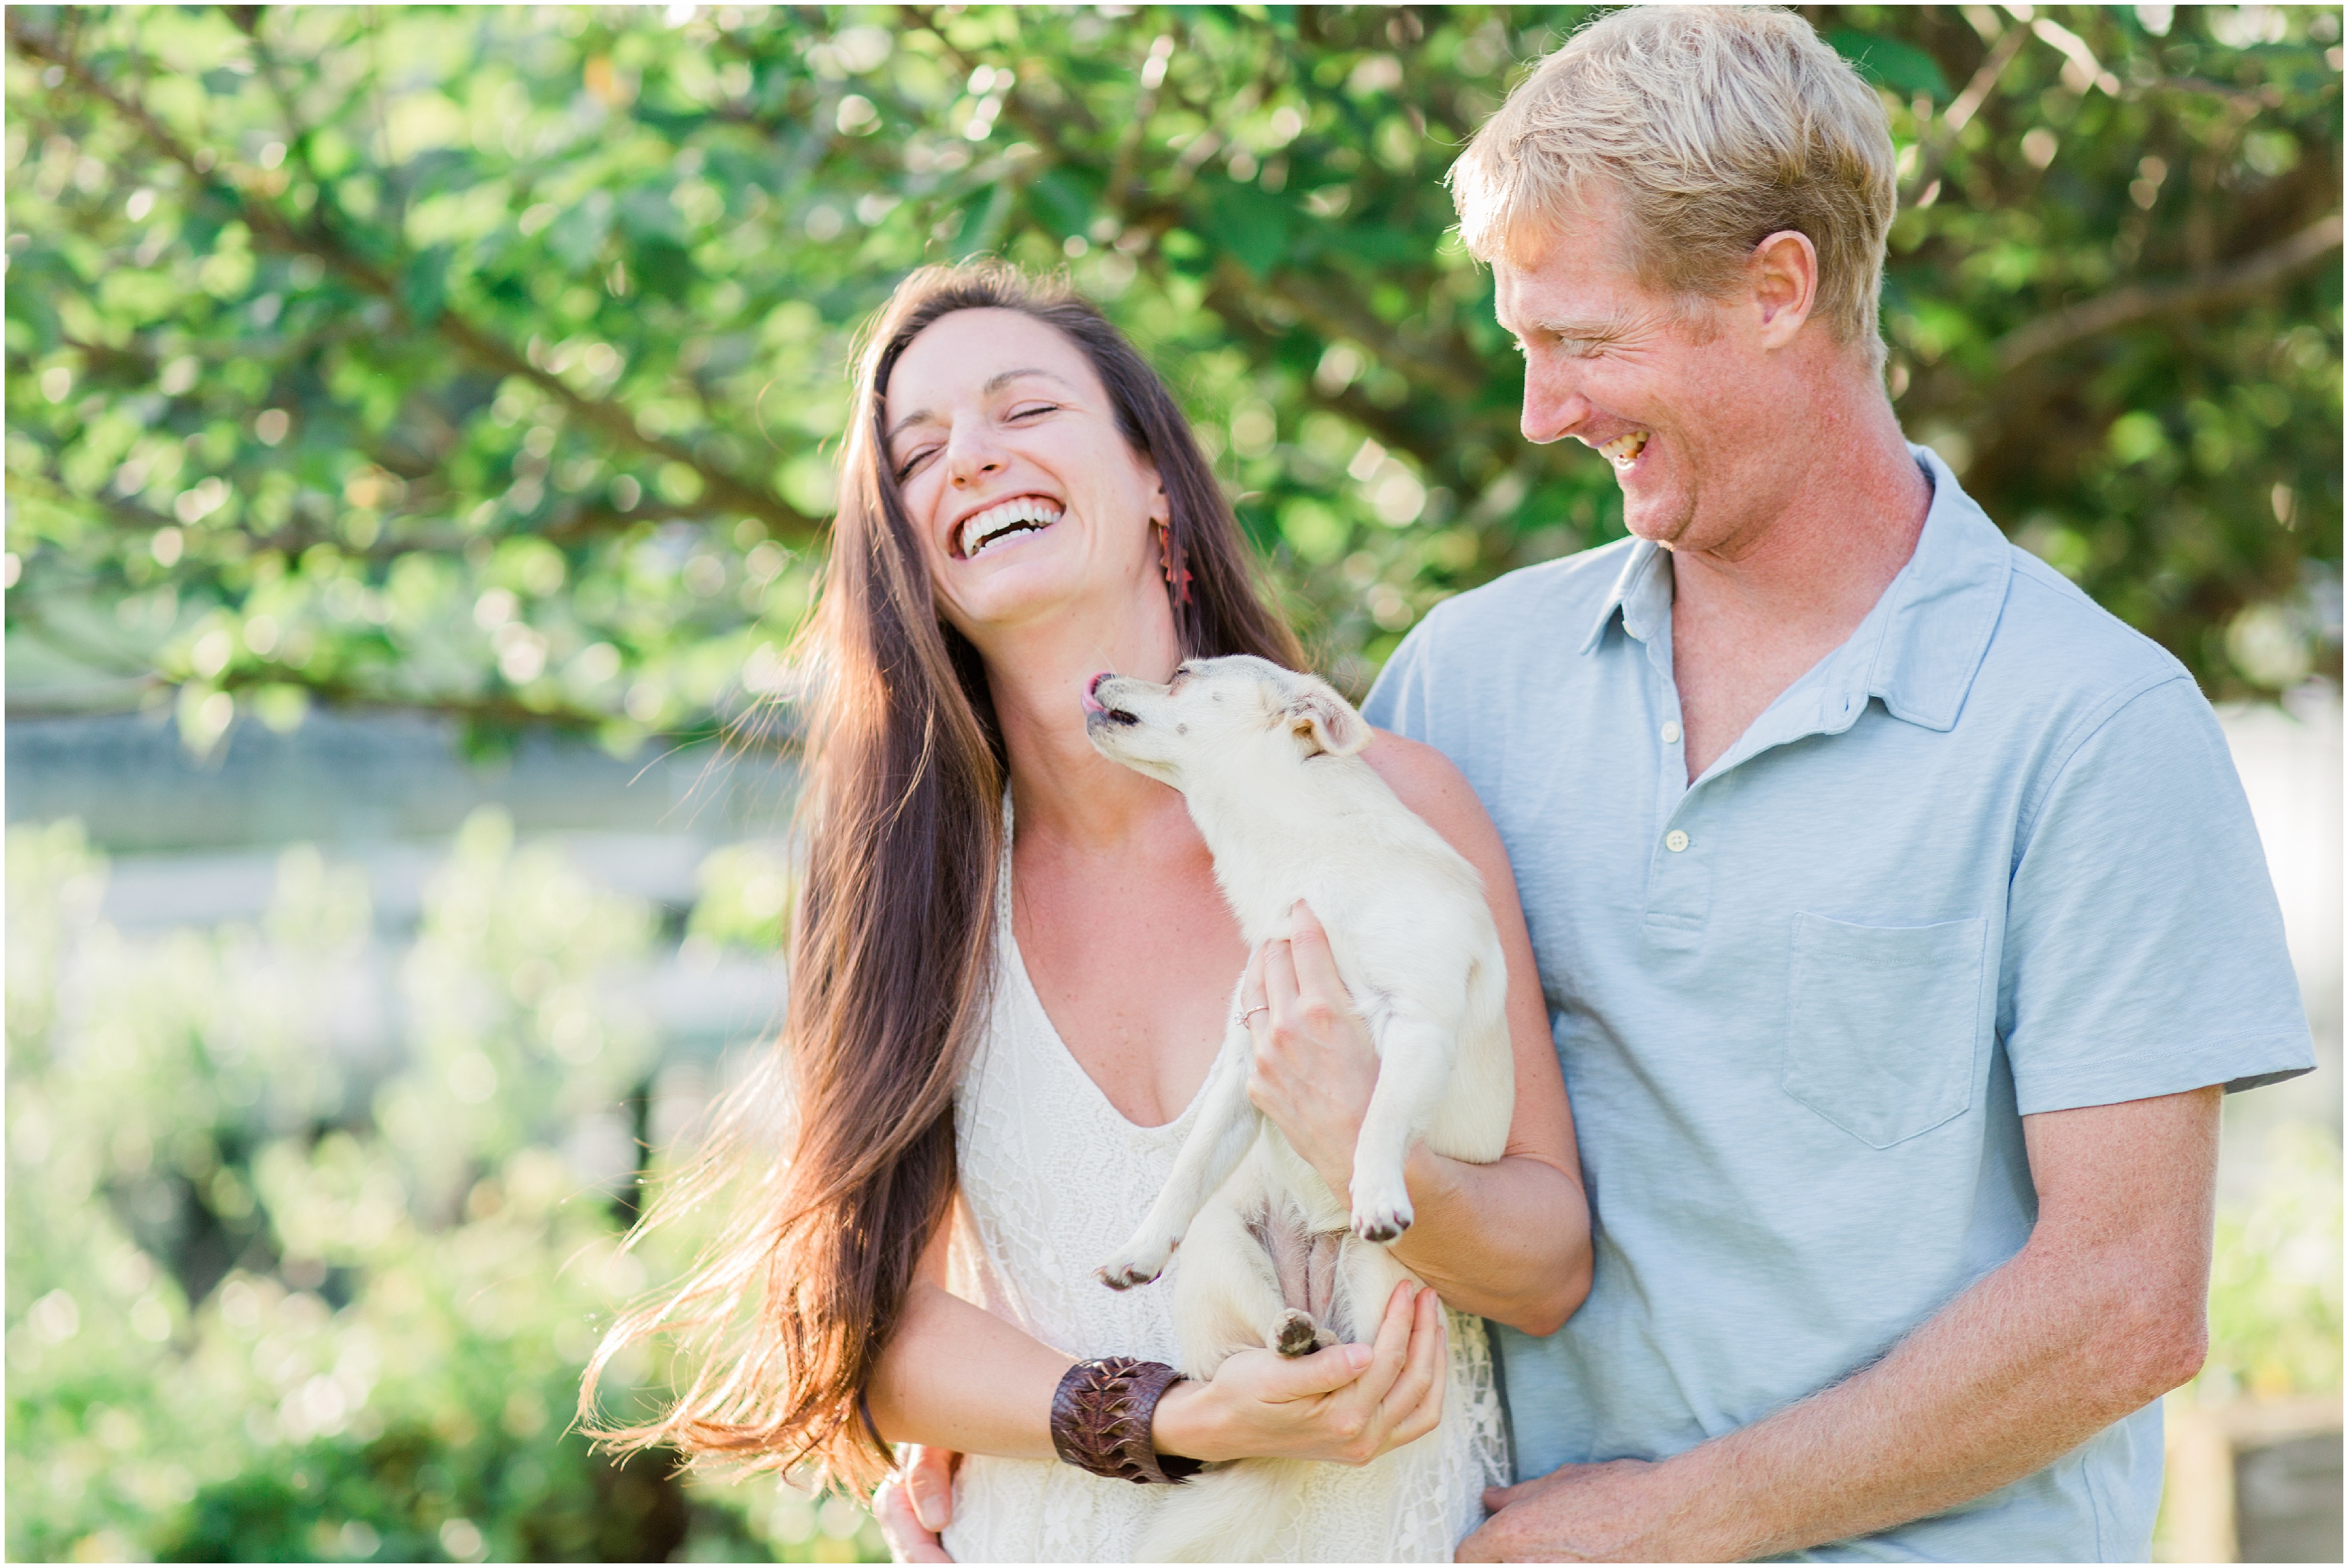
x: 1784, y: 278
x: 1328, y: 718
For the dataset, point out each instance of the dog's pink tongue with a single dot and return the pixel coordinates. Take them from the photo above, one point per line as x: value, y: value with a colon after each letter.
x: 1093, y: 703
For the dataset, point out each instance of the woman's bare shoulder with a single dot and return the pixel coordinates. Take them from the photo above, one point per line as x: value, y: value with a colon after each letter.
x: 1431, y: 784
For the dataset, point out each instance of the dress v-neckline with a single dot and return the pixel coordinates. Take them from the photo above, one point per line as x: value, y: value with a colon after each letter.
x: 1034, y: 999
x: 1016, y: 961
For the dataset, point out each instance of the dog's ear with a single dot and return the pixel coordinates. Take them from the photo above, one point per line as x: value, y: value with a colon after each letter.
x: 1328, y: 718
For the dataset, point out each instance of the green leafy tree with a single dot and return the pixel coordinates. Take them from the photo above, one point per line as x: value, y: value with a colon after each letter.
x: 489, y: 362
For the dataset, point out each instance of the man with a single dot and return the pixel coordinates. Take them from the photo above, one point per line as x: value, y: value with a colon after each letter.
x: 1899, y: 914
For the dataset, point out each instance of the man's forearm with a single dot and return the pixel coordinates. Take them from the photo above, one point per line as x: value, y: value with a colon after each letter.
x: 2073, y: 1333
x: 1508, y: 1240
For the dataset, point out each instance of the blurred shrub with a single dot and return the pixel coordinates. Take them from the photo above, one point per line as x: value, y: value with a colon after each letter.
x: 2274, y: 1288
x: 268, y: 1299
x: 746, y: 891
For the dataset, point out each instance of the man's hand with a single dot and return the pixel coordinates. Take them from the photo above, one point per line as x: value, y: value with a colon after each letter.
x: 1584, y: 1513
x: 914, y: 1505
x: 1315, y: 1065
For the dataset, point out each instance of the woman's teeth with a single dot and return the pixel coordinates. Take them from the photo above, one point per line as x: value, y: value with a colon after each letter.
x: 1624, y: 450
x: 1022, y: 514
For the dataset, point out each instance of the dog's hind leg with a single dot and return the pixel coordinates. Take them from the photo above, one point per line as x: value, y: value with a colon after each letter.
x: 1364, y: 1280
x: 1305, y: 1267
x: 1227, y: 1288
x: 1414, y: 1073
x: 1226, y: 1129
x: 1247, y: 1277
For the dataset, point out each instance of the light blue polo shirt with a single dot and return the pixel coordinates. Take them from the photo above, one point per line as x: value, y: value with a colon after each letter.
x: 1988, y: 858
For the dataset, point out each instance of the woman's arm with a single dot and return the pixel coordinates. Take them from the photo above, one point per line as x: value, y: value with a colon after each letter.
x: 954, y: 1376
x: 1510, y: 1240
x: 957, y: 1379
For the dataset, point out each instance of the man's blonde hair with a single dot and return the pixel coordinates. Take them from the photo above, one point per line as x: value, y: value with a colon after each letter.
x: 1713, y: 126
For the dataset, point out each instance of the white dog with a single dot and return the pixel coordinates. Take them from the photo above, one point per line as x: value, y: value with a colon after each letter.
x: 1267, y: 761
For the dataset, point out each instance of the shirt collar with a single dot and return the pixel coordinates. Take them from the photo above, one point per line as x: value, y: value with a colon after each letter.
x: 1642, y: 591
x: 1918, y: 650
x: 1936, y: 618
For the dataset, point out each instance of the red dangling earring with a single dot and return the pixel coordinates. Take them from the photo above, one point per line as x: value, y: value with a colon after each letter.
x: 1177, y: 577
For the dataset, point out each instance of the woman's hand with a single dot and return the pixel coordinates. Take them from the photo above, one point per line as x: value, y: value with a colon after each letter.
x: 1345, y: 1405
x: 1315, y: 1065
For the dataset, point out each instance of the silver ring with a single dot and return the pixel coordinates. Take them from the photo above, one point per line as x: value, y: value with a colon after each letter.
x: 1250, y: 1014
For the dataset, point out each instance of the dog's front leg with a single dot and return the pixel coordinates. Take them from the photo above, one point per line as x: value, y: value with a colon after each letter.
x: 1227, y: 1127
x: 1414, y: 1073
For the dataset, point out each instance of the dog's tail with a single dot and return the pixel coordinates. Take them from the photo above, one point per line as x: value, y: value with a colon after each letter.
x: 1241, y: 1511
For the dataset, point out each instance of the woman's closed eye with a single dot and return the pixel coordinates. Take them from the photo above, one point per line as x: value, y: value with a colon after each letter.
x: 1020, y: 414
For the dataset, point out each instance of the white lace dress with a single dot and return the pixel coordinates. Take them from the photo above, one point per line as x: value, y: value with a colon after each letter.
x: 1054, y: 1178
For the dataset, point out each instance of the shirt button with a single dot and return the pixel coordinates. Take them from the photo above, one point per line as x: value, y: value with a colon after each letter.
x: 1675, y: 841
x: 1671, y: 732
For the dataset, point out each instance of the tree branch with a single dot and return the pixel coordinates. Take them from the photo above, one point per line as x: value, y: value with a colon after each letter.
x: 2138, y: 302
x: 1228, y: 295
x: 108, y: 661
x: 1333, y: 319
x: 1968, y: 104
x: 42, y: 705
x: 289, y: 538
x: 723, y: 490
x: 739, y: 732
x: 1014, y: 108
x: 1330, y: 317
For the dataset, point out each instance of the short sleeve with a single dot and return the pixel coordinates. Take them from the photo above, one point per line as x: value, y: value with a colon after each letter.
x: 2145, y: 951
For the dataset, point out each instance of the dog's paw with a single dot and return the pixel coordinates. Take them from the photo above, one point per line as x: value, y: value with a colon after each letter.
x: 1381, y: 1217
x: 1134, y: 1266
x: 1125, y: 1275
x: 1296, y: 1333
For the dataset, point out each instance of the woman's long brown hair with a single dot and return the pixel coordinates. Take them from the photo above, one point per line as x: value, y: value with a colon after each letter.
x: 837, y: 1154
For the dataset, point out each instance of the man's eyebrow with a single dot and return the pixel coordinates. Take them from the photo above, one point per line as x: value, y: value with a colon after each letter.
x: 1581, y: 329
x: 994, y: 383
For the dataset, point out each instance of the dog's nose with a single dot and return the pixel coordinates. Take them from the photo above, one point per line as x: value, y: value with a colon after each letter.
x: 1092, y: 704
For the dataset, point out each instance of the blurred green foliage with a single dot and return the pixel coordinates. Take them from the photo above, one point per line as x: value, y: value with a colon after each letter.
x: 269, y: 1299
x: 489, y: 361
x: 2275, y: 1285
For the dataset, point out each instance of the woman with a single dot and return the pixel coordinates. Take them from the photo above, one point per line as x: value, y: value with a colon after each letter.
x: 1011, y: 968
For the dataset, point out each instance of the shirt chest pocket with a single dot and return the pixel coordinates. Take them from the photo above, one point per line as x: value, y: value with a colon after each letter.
x: 1885, y: 1024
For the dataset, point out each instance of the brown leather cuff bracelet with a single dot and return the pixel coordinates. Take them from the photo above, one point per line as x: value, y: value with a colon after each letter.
x: 1101, y: 1414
